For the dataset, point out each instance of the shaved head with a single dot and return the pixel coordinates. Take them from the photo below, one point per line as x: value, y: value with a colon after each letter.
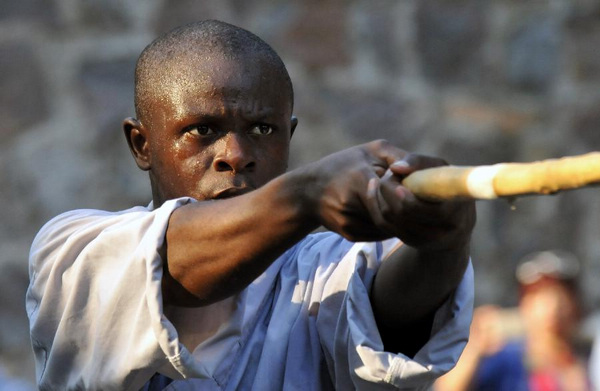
x: 214, y: 107
x: 169, y: 66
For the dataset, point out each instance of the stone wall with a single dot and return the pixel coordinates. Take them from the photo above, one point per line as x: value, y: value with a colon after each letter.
x: 476, y: 82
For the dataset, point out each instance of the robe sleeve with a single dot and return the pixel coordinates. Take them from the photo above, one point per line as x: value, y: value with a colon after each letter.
x: 94, y: 301
x: 353, y: 347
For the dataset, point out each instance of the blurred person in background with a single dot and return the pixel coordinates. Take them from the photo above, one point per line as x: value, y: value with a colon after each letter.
x: 533, y: 347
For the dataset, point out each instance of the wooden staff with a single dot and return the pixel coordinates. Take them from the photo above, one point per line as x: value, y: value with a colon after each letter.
x: 505, y: 179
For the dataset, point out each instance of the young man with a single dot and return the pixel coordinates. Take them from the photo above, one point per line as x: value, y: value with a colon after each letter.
x: 217, y: 284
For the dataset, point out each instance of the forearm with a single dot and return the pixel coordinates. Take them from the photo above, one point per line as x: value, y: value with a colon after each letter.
x: 461, y: 376
x: 216, y: 248
x: 409, y: 287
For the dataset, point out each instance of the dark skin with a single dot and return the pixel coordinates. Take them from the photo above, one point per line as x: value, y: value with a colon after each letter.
x: 226, y: 141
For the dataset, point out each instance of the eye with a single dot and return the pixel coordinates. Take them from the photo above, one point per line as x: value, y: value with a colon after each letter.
x: 200, y: 130
x: 261, y: 130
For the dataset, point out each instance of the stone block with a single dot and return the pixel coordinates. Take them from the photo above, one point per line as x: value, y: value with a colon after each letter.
x: 586, y: 126
x: 175, y: 13
x: 110, y: 15
x: 533, y: 55
x: 107, y: 87
x: 366, y: 116
x: 44, y: 12
x: 584, y: 54
x: 450, y: 35
x: 317, y: 34
x: 23, y: 100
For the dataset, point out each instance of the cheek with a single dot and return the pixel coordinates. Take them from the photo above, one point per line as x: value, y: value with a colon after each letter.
x: 180, y: 167
x: 275, y: 160
x: 190, y: 159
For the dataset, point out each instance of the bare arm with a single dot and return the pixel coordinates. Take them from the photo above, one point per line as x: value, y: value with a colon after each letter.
x: 409, y: 287
x: 418, y: 277
x: 216, y: 248
x: 485, y: 339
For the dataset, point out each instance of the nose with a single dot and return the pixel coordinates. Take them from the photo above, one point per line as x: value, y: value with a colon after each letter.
x: 235, y: 155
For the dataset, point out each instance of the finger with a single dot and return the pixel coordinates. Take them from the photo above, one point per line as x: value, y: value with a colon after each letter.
x: 413, y: 162
x: 385, y: 153
x: 402, y: 200
x: 405, y: 195
x: 394, y: 194
x: 399, y: 206
x: 374, y: 206
x: 401, y: 169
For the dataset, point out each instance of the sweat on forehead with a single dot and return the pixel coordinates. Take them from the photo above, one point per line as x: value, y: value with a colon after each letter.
x: 170, y: 63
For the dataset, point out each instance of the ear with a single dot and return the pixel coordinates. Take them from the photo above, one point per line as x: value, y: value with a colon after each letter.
x: 137, y: 139
x: 294, y: 124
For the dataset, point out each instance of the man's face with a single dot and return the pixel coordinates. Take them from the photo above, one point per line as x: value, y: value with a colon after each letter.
x: 220, y: 133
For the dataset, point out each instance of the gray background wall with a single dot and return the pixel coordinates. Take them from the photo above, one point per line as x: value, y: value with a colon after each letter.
x: 476, y: 82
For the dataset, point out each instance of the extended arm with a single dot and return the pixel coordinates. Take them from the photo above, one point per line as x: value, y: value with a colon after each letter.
x: 418, y: 277
x: 216, y: 248
x: 485, y: 339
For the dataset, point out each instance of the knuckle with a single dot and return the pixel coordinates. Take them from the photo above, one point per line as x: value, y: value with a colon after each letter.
x: 376, y: 145
x: 345, y: 200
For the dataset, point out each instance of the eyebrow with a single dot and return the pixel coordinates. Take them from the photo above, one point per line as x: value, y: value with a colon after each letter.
x: 264, y: 116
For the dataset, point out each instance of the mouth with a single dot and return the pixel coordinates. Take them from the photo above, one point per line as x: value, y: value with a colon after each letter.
x: 231, y: 192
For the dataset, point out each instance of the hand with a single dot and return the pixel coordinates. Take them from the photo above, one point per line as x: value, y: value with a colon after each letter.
x: 338, y: 184
x: 487, y: 336
x: 432, y: 226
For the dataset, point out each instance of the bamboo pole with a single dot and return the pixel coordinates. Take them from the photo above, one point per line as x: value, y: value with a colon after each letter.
x: 505, y: 179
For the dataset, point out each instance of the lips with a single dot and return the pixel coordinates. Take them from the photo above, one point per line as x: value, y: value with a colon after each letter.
x: 232, y: 192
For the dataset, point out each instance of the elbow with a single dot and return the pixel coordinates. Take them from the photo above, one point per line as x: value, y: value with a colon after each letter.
x: 195, y: 284
x: 180, y: 285
x: 176, y: 290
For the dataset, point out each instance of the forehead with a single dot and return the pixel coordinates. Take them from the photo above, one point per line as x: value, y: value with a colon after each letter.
x: 194, y: 78
x: 547, y: 285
